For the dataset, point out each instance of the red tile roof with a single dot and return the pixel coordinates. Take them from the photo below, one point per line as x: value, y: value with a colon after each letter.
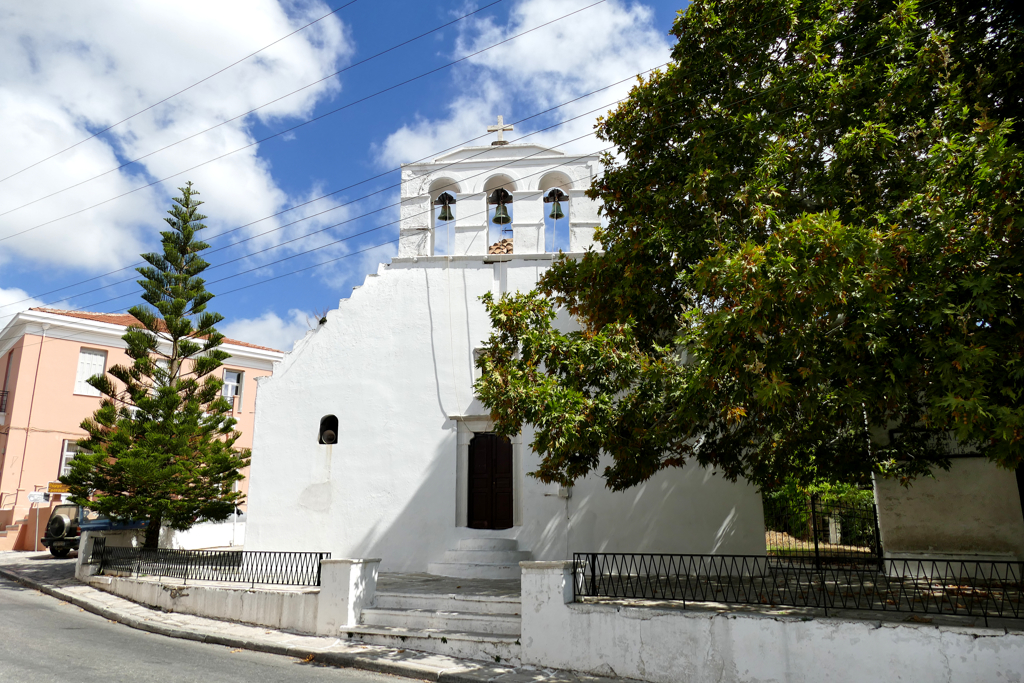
x: 126, y: 319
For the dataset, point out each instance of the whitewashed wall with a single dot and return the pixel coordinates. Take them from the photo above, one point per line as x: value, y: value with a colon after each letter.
x: 394, y: 364
x: 973, y: 510
x: 672, y: 645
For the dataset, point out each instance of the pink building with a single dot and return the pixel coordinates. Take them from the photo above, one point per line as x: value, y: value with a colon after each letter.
x: 46, y: 356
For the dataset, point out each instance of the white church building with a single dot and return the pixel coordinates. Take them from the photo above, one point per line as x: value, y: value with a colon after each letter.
x: 369, y: 441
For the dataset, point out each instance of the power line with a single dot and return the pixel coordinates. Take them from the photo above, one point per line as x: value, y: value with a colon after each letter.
x: 380, y: 175
x: 244, y: 114
x: 348, y: 187
x: 606, y: 149
x: 169, y: 97
x: 376, y: 246
x: 761, y: 93
x: 353, y: 236
x: 305, y: 123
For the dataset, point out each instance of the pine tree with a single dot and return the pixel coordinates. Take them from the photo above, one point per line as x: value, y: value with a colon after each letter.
x: 160, y: 446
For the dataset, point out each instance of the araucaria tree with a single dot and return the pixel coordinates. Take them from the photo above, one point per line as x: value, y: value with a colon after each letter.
x: 161, y: 444
x: 812, y: 265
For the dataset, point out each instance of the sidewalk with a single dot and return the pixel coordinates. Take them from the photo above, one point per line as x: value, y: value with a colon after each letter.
x: 56, y: 578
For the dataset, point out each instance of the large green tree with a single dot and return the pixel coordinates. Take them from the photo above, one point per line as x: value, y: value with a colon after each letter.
x: 161, y: 444
x: 812, y: 264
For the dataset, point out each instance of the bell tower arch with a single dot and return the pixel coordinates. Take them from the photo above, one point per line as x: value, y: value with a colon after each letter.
x: 475, y: 220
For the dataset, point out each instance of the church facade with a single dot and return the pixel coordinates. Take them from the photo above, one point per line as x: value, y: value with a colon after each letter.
x: 369, y: 441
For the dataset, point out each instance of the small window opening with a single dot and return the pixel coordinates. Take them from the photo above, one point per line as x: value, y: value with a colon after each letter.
x: 328, y: 430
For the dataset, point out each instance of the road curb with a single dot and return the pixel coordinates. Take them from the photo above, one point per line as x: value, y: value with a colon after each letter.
x: 469, y: 672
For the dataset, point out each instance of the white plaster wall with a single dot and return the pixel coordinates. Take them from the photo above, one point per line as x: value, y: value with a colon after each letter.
x: 668, y: 646
x: 973, y: 509
x: 205, y: 536
x: 393, y: 363
x: 291, y: 610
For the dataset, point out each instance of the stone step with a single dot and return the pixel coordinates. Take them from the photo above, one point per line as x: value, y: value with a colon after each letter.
x: 478, y: 570
x: 459, y: 622
x: 487, y: 647
x: 487, y: 556
x: 488, y: 544
x: 486, y: 604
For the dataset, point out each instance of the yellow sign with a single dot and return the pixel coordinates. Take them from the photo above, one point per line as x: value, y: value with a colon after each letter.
x: 57, y: 487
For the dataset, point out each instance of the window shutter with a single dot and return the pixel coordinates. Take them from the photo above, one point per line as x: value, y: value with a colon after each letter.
x: 90, y: 362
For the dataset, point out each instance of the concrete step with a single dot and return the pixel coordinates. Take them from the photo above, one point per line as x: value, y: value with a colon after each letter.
x: 488, y: 544
x: 459, y: 622
x: 478, y: 570
x: 487, y: 647
x: 485, y: 604
x: 487, y: 556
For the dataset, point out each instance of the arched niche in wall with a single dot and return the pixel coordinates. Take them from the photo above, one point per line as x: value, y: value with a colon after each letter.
x: 438, y: 187
x: 328, y: 430
x: 556, y: 185
x: 553, y: 179
x: 499, y: 180
x: 496, y: 182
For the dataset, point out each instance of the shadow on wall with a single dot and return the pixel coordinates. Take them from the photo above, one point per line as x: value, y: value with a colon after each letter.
x: 425, y: 526
x: 688, y: 510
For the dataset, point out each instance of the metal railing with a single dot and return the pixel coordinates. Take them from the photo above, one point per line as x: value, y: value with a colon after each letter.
x: 822, y: 532
x: 968, y: 588
x: 240, y: 566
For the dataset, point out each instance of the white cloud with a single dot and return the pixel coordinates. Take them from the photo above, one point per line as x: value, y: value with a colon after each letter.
x: 14, y: 301
x: 568, y: 59
x: 270, y: 329
x: 71, y: 69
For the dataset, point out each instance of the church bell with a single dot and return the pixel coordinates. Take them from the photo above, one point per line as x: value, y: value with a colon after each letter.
x: 445, y: 201
x: 556, y: 211
x: 501, y: 216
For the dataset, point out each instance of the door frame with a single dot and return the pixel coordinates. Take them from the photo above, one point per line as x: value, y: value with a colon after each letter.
x: 469, y: 426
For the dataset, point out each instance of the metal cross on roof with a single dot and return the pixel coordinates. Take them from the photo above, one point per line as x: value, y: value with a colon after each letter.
x: 500, y: 130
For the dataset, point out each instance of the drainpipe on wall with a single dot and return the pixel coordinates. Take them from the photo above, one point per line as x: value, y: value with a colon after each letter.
x: 28, y: 422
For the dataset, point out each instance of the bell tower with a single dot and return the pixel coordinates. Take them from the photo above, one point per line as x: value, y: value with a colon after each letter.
x: 463, y: 202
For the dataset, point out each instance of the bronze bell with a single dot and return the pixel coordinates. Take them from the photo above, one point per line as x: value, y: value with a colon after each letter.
x: 446, y: 213
x: 556, y: 210
x: 501, y: 216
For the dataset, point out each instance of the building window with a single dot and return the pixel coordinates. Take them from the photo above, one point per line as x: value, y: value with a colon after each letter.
x: 68, y: 452
x: 90, y: 362
x: 233, y: 388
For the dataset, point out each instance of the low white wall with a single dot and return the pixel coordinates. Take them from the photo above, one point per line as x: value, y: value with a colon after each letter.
x: 204, y: 536
x: 293, y: 610
x: 971, y: 510
x: 668, y: 646
x: 346, y: 588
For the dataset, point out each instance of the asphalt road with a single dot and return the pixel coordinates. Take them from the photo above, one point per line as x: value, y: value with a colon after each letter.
x: 43, y: 639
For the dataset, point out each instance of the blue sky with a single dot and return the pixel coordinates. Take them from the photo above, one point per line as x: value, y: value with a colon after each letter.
x: 72, y: 71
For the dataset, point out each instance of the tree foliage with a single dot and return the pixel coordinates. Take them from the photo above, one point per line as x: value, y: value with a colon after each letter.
x: 812, y: 263
x: 160, y: 446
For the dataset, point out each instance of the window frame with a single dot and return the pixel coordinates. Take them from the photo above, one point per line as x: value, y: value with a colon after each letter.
x: 66, y: 455
x: 85, y: 389
x: 236, y: 404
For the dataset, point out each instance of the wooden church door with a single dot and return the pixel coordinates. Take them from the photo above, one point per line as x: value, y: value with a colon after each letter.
x: 490, y: 482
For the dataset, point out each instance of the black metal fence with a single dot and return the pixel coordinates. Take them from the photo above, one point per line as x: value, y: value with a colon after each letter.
x: 976, y: 589
x: 822, y: 532
x: 241, y: 566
